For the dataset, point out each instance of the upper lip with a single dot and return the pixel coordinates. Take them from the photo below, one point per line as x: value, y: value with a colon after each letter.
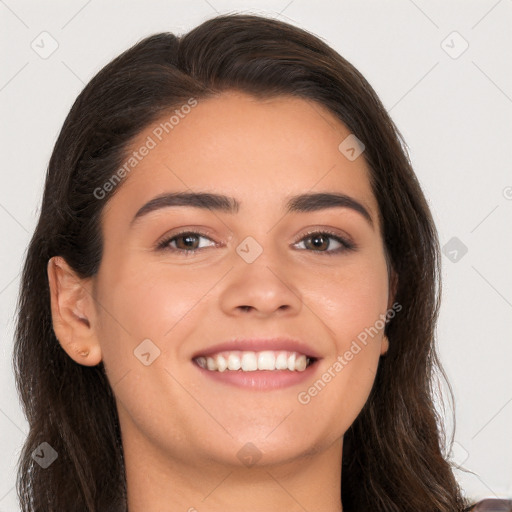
x: 260, y: 344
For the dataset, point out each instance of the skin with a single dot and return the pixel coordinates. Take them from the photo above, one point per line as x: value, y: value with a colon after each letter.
x: 181, y: 430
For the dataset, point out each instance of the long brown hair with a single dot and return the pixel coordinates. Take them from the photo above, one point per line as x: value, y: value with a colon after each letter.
x: 393, y: 453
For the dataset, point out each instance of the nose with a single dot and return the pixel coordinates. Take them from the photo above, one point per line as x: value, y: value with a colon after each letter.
x: 261, y: 288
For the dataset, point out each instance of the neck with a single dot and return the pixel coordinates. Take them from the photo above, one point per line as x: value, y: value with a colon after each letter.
x: 156, y: 482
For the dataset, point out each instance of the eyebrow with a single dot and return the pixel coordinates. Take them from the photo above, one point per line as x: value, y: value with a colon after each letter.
x: 311, y: 202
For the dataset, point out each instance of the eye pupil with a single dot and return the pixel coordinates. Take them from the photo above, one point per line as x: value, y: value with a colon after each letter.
x: 319, y: 241
x: 189, y: 241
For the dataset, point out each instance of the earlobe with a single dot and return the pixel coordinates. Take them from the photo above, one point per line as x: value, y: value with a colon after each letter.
x: 384, y: 346
x: 72, y: 307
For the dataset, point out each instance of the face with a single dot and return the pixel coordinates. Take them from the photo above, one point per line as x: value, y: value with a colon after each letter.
x: 179, y: 282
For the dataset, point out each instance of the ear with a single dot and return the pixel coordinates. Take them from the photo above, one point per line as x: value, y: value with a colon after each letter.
x: 73, y: 311
x: 384, y: 345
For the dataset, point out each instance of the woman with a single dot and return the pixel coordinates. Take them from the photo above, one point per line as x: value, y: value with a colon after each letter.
x: 230, y: 298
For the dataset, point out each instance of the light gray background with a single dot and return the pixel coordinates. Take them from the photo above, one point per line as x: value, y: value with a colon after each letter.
x: 453, y: 107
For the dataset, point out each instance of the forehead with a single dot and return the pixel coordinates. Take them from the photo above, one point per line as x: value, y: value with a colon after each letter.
x: 257, y: 150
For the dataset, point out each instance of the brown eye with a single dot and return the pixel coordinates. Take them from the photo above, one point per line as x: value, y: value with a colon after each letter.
x: 319, y: 241
x: 187, y: 242
x: 326, y: 243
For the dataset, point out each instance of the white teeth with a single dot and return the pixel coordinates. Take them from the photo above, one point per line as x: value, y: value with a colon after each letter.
x: 234, y: 362
x: 266, y: 360
x: 291, y: 361
x: 211, y: 364
x: 249, y: 362
x: 300, y: 363
x: 281, y: 361
x: 252, y: 361
x: 222, y: 364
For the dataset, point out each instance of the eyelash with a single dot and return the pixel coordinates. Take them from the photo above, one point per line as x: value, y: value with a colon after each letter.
x: 346, y: 245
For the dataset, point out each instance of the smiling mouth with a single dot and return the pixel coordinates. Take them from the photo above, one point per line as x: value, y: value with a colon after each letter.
x: 249, y: 361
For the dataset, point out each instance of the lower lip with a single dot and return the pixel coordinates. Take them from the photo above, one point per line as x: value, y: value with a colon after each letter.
x: 262, y: 380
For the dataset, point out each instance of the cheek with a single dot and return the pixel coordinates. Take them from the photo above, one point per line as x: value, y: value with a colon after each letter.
x: 141, y: 302
x: 147, y: 301
x: 144, y: 315
x: 350, y: 298
x: 352, y: 304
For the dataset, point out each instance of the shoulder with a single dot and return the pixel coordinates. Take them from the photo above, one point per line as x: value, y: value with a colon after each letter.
x: 491, y: 505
